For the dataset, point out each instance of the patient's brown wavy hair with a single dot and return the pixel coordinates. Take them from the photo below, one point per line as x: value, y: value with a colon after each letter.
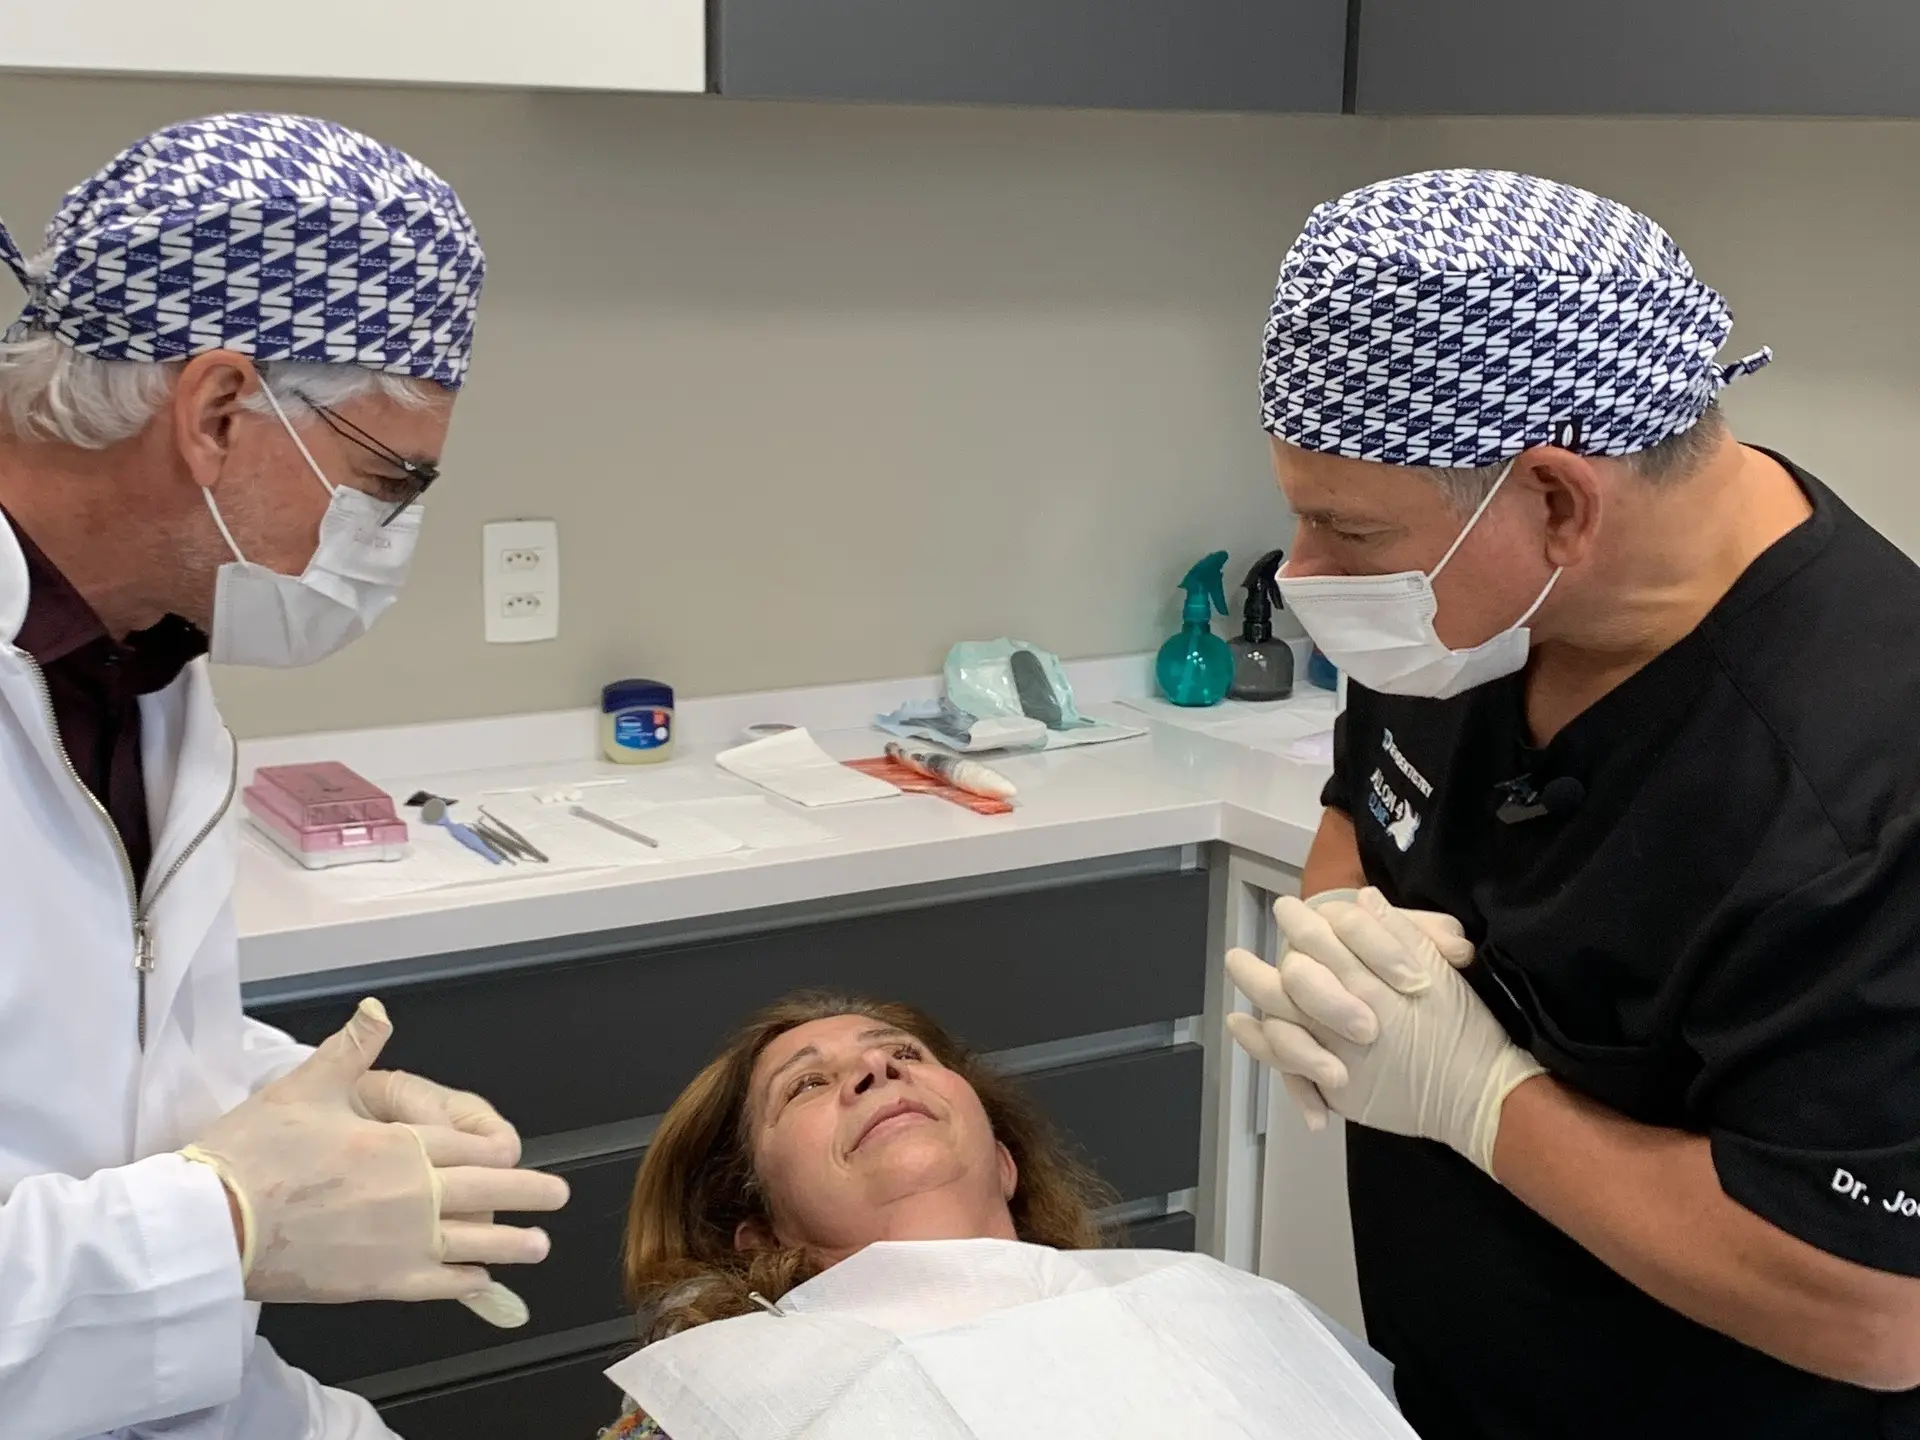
x: 697, y: 1184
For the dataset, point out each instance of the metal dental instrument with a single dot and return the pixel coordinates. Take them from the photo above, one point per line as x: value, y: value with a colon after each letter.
x: 434, y: 812
x: 582, y: 813
x: 499, y: 842
x: 526, y: 845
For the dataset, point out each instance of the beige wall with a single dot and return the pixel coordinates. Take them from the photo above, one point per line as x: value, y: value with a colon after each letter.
x: 815, y: 390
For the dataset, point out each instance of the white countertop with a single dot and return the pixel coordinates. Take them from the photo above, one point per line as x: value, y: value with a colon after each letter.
x: 1169, y: 788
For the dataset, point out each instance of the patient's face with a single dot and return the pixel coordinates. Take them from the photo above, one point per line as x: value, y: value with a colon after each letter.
x: 860, y: 1135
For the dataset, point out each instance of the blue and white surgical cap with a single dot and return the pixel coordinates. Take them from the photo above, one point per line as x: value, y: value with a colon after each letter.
x: 276, y: 236
x: 1457, y: 317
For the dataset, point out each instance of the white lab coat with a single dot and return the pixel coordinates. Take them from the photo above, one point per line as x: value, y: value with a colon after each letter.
x: 121, y: 1309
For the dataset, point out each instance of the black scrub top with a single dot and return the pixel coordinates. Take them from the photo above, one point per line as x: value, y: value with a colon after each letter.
x: 1716, y: 929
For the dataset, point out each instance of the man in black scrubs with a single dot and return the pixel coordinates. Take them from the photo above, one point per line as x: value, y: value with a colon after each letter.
x: 1633, y: 704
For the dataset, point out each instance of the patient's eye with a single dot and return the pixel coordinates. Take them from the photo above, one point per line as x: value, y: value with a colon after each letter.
x: 804, y: 1082
x: 907, y: 1050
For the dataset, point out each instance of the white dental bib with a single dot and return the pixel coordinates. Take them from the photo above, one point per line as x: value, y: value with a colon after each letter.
x: 996, y: 1340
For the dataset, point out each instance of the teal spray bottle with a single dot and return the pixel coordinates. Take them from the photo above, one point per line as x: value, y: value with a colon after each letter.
x: 1195, y: 667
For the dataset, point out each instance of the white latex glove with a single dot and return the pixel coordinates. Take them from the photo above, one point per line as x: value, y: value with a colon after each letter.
x: 1345, y: 1012
x: 396, y: 1096
x: 336, y: 1206
x: 1420, y: 1056
x: 404, y: 1099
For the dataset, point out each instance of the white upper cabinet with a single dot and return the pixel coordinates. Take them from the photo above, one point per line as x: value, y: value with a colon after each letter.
x: 558, y: 44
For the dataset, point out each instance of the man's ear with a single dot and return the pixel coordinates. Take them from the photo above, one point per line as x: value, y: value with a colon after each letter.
x: 1009, y: 1173
x: 1571, y: 490
x: 753, y: 1235
x: 206, y: 401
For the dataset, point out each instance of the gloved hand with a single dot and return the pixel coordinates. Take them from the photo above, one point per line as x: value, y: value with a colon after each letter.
x: 404, y: 1099
x: 1403, y: 973
x: 1421, y: 1056
x: 336, y: 1206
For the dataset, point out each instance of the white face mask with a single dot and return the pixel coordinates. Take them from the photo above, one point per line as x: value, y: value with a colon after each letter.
x: 261, y: 617
x: 1378, y: 629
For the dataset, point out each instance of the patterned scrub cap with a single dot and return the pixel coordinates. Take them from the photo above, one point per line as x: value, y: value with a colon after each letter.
x: 1456, y: 317
x: 277, y: 236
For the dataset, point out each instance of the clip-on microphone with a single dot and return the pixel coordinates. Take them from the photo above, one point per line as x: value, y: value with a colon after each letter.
x: 1521, y: 800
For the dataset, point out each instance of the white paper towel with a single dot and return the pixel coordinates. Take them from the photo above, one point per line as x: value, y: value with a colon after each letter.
x: 794, y: 766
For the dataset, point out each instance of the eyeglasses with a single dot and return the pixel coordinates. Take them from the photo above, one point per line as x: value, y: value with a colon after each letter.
x: 415, y: 476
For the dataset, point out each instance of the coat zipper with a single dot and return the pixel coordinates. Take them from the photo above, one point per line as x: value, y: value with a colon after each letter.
x: 142, y: 938
x: 138, y: 906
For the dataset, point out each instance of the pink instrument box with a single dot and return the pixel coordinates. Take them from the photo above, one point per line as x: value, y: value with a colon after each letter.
x: 324, y: 814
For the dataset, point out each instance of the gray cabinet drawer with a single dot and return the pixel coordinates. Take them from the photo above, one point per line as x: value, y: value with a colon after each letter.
x: 562, y: 1400
x: 569, y: 1044
x: 1654, y: 57
x: 577, y: 1285
x: 1136, y: 1117
x: 1141, y: 54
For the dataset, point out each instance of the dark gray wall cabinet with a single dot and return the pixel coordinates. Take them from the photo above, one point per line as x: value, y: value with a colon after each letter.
x: 1650, y: 57
x: 1284, y: 55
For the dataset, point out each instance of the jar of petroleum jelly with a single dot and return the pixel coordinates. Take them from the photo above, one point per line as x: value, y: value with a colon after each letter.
x: 636, y: 721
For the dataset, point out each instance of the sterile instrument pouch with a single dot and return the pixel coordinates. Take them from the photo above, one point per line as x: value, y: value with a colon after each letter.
x: 989, y: 678
x: 998, y: 1340
x: 945, y: 723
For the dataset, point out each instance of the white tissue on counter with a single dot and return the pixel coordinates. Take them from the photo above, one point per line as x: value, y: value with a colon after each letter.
x: 794, y: 767
x: 1300, y: 728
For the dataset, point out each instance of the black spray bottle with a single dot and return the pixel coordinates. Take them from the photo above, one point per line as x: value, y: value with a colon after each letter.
x: 1262, y: 665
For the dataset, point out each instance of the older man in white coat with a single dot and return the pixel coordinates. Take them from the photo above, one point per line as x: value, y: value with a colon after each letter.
x: 228, y: 387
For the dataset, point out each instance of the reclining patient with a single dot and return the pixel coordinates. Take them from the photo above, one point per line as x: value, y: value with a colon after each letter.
x: 847, y: 1202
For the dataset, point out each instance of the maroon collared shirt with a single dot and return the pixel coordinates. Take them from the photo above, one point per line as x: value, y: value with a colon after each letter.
x: 96, y: 683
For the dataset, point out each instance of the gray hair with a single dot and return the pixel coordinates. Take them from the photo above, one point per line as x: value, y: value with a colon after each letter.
x: 50, y: 391
x: 1672, y: 460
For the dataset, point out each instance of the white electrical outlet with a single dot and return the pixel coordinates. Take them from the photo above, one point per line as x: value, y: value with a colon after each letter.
x: 520, y: 580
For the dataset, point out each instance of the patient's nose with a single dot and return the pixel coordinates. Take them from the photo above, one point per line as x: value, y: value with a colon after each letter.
x: 875, y: 1065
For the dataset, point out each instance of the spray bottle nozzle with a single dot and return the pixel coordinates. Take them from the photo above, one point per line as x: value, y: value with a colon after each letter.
x: 1263, y: 594
x: 1206, y: 590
